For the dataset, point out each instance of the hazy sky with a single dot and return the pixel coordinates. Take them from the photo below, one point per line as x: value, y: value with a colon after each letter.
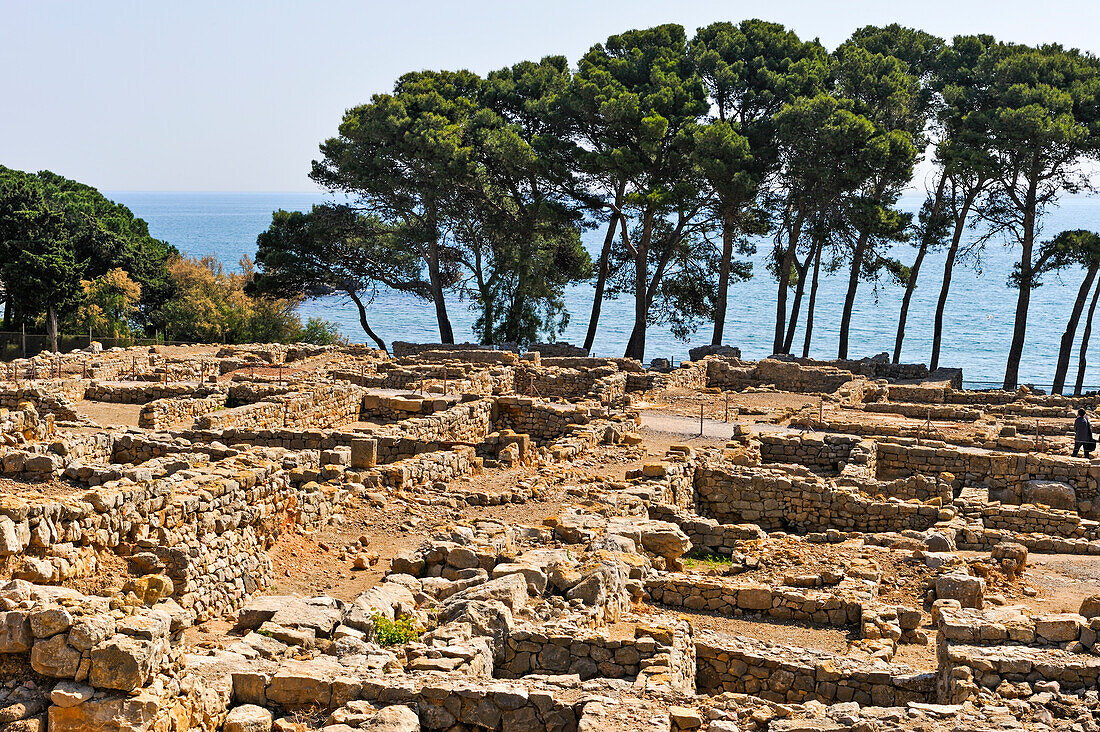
x: 235, y: 96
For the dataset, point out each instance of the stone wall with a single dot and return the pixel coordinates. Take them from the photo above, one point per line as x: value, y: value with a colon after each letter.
x: 544, y: 382
x: 707, y: 535
x: 543, y: 421
x: 840, y: 606
x: 1003, y: 474
x: 822, y: 453
x: 785, y: 501
x: 315, y: 406
x: 207, y: 531
x: 786, y: 375
x: 144, y: 392
x: 161, y: 414
x: 465, y: 422
x: 558, y: 350
x: 786, y: 674
x: 1010, y: 646
x: 45, y: 401
x: 591, y: 654
x: 62, y: 634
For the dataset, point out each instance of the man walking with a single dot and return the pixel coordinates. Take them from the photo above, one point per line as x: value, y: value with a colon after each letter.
x: 1082, y: 434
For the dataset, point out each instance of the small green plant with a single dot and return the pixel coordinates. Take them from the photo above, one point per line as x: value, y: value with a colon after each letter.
x: 395, y: 632
x: 702, y: 559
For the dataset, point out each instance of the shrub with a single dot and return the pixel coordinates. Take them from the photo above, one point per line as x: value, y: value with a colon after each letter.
x: 395, y: 632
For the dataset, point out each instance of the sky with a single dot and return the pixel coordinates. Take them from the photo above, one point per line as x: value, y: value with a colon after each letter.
x: 236, y: 96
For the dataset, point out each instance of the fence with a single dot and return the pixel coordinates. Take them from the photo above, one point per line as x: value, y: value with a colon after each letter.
x: 14, y: 344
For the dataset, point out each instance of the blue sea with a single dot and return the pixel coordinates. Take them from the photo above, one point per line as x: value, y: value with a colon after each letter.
x: 978, y: 319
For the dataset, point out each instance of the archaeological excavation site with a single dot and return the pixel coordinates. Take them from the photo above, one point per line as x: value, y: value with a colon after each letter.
x: 292, y: 538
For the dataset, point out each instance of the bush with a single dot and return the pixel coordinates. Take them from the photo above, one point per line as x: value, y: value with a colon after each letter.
x: 395, y: 632
x: 210, y: 305
x: 319, y: 332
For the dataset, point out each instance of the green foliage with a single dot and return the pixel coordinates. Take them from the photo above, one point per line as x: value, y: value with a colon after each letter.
x: 395, y: 632
x: 109, y: 305
x: 319, y: 332
x: 471, y: 176
x: 55, y: 232
x: 707, y: 560
x: 211, y: 305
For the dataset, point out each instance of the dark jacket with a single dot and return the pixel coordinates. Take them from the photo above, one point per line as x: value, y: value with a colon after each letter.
x: 1082, y: 431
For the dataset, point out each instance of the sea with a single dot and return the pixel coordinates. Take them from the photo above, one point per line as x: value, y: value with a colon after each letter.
x: 977, y: 322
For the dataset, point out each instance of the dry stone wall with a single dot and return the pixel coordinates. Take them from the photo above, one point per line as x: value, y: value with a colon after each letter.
x: 791, y: 376
x: 206, y: 531
x: 782, y: 501
x: 788, y: 675
x: 1005, y: 475
x: 161, y: 414
x: 590, y: 653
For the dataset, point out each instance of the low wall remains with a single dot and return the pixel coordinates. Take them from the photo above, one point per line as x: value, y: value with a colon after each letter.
x: 786, y: 674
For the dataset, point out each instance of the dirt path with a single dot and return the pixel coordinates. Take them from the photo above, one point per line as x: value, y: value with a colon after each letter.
x: 109, y: 413
x: 1063, y: 581
x: 712, y: 428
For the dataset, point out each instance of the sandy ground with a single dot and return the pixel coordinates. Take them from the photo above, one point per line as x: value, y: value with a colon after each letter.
x: 109, y: 414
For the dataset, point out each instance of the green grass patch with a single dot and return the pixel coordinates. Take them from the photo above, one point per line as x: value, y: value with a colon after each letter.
x: 706, y: 560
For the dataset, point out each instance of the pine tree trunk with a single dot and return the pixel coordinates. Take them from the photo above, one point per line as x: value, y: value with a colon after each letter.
x: 601, y: 282
x: 850, y: 296
x: 363, y: 322
x: 635, y: 348
x: 784, y: 277
x: 796, y: 306
x: 945, y: 286
x: 51, y: 327
x: 1085, y: 342
x: 937, y: 205
x: 435, y: 280
x: 723, y: 282
x: 909, y: 287
x: 812, y: 304
x: 1023, y: 300
x: 1066, y: 345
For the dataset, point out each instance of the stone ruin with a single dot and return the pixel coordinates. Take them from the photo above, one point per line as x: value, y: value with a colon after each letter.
x: 543, y: 544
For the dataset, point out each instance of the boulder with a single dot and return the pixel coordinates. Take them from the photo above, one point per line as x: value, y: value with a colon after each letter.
x: 14, y: 537
x: 1090, y: 606
x: 123, y: 663
x: 389, y: 599
x: 685, y: 718
x: 1011, y: 555
x: 248, y: 718
x: 533, y: 574
x: 486, y: 618
x: 51, y: 621
x: 962, y: 587
x: 407, y: 563
x: 151, y: 588
x: 300, y: 684
x: 70, y: 693
x: 658, y: 537
x: 91, y: 630
x: 1058, y: 627
x: 600, y: 585
x: 55, y: 658
x: 15, y: 635
x: 259, y: 610
x: 319, y: 614
x: 511, y: 590
x: 936, y: 541
x: 1052, y: 493
x: 396, y: 718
